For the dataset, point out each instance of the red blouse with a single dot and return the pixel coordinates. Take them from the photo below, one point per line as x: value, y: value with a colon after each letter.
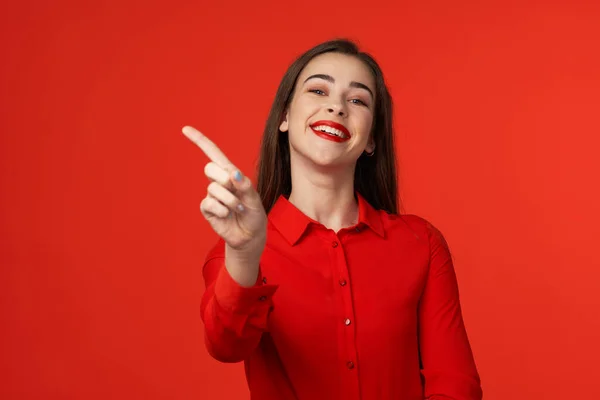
x: 369, y: 312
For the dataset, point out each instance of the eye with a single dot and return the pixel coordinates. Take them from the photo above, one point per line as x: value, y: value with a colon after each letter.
x: 317, y: 91
x: 358, y: 101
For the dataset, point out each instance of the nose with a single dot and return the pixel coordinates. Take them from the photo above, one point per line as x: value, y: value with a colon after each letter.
x: 335, y: 108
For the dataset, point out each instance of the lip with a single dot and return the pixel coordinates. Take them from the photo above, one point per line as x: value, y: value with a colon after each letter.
x: 334, y: 125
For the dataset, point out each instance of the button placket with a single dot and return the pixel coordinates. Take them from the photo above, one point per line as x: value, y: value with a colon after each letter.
x: 347, y: 342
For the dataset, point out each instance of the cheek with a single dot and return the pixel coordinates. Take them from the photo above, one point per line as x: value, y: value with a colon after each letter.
x: 369, y: 122
x: 364, y: 123
x: 301, y: 112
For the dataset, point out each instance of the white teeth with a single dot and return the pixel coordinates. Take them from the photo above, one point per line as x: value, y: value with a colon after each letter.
x: 330, y: 130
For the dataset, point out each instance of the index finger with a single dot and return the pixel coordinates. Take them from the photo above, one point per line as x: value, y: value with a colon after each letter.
x: 207, y: 146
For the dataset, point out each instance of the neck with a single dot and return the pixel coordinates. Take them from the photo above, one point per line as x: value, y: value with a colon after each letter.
x: 325, y: 195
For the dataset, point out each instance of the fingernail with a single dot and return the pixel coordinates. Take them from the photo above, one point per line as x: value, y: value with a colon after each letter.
x: 237, y: 176
x: 240, y: 208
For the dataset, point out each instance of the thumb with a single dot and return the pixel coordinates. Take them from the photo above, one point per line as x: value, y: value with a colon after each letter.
x: 244, y: 190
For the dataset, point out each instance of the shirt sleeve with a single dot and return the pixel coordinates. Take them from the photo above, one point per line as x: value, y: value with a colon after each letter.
x: 447, y: 362
x: 234, y: 316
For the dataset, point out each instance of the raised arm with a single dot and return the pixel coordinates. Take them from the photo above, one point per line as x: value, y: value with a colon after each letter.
x: 236, y: 304
x: 234, y: 316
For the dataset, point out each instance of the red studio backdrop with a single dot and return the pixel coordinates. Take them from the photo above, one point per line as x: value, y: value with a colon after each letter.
x: 497, y: 114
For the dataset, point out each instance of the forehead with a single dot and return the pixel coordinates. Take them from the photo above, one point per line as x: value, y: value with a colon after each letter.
x: 342, y: 67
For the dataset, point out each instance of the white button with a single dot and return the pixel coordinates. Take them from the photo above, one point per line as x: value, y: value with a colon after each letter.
x: 347, y: 321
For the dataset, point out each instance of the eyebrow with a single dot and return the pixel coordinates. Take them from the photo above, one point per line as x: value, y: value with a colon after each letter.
x: 330, y: 78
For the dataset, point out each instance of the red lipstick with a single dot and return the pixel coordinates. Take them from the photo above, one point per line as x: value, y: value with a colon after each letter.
x: 338, y: 134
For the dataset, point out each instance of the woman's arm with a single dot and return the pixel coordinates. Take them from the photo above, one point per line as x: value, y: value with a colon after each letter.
x: 234, y: 315
x: 448, y: 366
x: 235, y: 305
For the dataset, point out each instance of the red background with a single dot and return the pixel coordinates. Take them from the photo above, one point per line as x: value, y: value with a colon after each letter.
x: 497, y: 113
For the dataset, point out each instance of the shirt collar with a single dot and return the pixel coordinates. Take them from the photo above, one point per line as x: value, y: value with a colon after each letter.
x: 292, y: 223
x: 369, y: 216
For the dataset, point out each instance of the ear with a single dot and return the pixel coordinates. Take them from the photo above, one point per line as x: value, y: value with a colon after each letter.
x: 370, y: 147
x: 284, y: 126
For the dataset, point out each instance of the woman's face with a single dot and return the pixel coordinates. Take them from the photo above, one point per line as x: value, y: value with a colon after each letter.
x: 330, y: 116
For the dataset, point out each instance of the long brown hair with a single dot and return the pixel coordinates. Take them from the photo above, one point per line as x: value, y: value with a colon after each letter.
x: 374, y: 177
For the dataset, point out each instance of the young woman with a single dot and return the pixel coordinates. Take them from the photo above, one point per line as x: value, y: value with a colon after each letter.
x: 318, y: 283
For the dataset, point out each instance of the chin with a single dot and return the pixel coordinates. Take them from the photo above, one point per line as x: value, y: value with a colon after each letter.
x: 323, y: 155
x: 328, y: 159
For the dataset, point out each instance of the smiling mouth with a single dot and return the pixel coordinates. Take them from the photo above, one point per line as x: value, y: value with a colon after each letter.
x: 330, y: 131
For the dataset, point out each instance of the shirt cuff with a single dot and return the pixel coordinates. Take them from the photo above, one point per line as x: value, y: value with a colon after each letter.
x: 237, y: 299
